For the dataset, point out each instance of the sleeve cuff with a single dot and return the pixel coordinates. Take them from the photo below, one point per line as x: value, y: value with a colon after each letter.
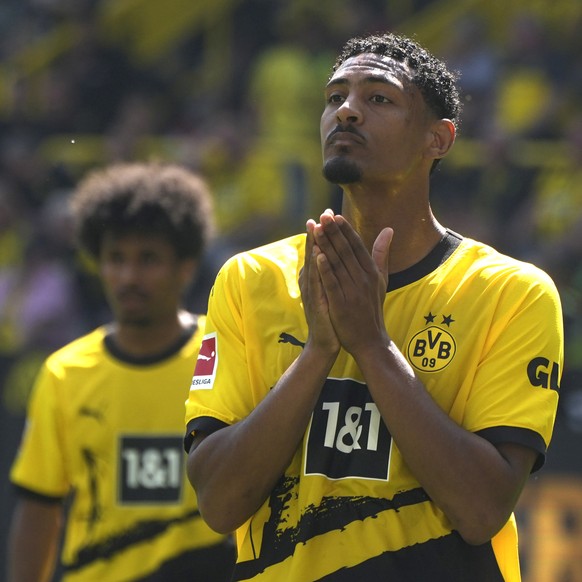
x: 35, y: 496
x: 205, y: 424
x: 520, y: 436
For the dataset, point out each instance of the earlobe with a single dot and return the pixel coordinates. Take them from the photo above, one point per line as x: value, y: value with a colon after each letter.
x: 443, y: 133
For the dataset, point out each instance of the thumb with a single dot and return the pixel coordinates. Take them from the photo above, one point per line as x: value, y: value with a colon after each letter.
x: 381, y: 250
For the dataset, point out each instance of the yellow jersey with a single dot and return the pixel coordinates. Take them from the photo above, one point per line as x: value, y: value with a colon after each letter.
x: 109, y: 429
x: 483, y: 333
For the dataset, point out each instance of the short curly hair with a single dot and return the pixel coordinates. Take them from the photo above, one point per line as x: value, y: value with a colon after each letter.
x: 435, y: 81
x: 166, y: 200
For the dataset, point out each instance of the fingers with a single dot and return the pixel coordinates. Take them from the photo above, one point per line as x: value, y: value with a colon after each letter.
x: 334, y: 245
x: 345, y: 251
x: 309, y: 242
x: 328, y: 276
x: 356, y: 244
x: 309, y: 279
x: 381, y: 251
x: 343, y: 247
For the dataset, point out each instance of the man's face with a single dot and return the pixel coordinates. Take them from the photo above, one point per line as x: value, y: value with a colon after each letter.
x: 375, y: 122
x: 142, y: 278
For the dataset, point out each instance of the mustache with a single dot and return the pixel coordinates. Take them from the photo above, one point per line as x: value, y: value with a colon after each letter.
x: 128, y: 292
x: 344, y: 129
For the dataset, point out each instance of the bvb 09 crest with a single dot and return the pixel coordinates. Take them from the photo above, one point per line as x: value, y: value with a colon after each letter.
x: 431, y: 349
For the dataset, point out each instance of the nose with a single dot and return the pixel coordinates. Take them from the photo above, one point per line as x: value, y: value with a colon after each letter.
x: 349, y: 112
x: 127, y: 272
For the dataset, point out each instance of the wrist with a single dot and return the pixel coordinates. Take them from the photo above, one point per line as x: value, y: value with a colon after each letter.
x: 323, y: 355
x: 377, y: 350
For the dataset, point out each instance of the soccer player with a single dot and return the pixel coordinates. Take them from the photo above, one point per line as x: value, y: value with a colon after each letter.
x: 104, y: 432
x: 373, y: 394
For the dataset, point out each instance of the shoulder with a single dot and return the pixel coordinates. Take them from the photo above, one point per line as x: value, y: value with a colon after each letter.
x: 494, y: 267
x: 281, y: 260
x: 505, y: 286
x: 79, y: 352
x: 280, y: 253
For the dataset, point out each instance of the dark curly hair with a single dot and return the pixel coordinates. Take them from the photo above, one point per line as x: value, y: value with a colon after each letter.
x: 143, y: 198
x: 436, y: 83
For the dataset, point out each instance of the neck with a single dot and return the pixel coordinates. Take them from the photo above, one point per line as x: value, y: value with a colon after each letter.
x: 142, y: 340
x: 416, y: 230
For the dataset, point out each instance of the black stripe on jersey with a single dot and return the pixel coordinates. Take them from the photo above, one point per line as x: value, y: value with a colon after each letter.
x: 446, y: 559
x: 115, y: 351
x: 203, y: 424
x: 141, y: 532
x: 209, y: 564
x: 520, y: 436
x: 333, y: 513
x: 35, y: 496
x: 443, y: 250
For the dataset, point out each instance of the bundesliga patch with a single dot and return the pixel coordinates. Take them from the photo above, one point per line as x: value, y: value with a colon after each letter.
x: 205, y: 370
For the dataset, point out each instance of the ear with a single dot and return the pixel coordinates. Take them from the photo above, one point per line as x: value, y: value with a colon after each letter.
x: 441, y: 138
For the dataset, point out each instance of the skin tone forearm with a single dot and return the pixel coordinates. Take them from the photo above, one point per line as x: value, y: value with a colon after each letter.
x: 33, y: 542
x: 473, y: 482
x: 235, y: 469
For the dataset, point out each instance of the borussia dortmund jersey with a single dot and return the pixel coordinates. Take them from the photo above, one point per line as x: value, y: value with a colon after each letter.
x: 111, y: 430
x: 482, y: 331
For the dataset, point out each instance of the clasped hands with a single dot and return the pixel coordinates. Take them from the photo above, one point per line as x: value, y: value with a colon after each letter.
x: 343, y: 286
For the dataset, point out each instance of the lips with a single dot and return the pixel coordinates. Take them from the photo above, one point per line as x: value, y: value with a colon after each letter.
x: 131, y: 299
x: 344, y: 136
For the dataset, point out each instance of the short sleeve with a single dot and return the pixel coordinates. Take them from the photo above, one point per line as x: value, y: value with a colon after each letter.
x: 515, y: 393
x: 39, y: 465
x: 220, y: 392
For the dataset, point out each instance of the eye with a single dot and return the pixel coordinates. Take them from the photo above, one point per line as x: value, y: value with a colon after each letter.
x: 380, y: 99
x: 335, y: 98
x: 113, y: 257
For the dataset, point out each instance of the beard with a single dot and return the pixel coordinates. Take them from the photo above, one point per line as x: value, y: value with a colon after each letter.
x: 338, y: 170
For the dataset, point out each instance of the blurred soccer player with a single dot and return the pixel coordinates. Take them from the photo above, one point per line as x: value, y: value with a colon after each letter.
x: 105, y: 423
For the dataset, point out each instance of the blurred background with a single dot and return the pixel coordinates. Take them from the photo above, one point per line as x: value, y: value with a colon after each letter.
x: 234, y: 89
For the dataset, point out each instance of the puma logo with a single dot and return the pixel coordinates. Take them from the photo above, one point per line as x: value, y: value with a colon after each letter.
x: 91, y: 413
x: 287, y: 338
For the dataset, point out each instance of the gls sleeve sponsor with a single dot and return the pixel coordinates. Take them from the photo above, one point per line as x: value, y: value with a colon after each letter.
x: 542, y: 372
x: 205, y: 370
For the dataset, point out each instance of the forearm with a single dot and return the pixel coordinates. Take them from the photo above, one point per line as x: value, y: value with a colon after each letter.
x: 465, y: 475
x: 33, y: 541
x: 235, y: 469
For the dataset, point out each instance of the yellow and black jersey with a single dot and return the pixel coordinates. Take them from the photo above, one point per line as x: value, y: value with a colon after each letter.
x: 110, y: 429
x: 483, y: 333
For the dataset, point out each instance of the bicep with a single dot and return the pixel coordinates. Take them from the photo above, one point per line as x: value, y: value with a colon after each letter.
x: 197, y: 439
